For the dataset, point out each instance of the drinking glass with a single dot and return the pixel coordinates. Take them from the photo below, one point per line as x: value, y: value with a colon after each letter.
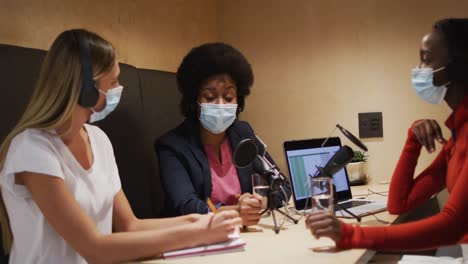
x: 260, y: 186
x: 322, y: 193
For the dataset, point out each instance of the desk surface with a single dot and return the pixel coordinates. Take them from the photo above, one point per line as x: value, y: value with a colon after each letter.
x: 294, y: 244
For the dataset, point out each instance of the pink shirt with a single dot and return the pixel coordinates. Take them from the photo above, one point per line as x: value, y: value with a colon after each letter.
x: 224, y: 179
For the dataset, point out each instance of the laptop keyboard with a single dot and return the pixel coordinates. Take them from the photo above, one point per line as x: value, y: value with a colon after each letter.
x: 350, y: 204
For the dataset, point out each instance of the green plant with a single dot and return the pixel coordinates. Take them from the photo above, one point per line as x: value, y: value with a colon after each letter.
x: 359, y: 156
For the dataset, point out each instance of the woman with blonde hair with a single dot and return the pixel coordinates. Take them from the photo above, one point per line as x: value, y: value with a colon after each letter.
x: 58, y: 177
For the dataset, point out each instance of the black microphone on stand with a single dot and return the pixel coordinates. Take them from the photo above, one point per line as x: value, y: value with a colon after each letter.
x: 338, y: 161
x: 245, y: 155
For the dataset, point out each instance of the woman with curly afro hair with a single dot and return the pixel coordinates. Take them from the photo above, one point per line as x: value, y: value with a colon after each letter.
x: 196, y: 157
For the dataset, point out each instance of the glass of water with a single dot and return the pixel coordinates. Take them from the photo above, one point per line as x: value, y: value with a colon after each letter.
x: 260, y: 186
x: 322, y: 193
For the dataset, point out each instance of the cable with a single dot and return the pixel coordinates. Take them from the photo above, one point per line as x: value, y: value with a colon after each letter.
x: 285, y: 206
x: 381, y: 220
x: 371, y: 192
x: 304, y: 212
x: 383, y: 193
x: 331, y: 133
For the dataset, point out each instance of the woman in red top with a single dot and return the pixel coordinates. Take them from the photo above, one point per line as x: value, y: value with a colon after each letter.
x: 442, y: 75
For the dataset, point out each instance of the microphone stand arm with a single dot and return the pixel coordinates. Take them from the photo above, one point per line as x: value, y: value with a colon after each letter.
x: 270, y: 206
x: 358, y: 218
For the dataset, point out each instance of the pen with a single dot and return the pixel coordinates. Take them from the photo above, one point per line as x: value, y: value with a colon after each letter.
x: 211, y: 205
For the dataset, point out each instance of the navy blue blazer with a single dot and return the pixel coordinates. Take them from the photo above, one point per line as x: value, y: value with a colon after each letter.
x: 185, y: 170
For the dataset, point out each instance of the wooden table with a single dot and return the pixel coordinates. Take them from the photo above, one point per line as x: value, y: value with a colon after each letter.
x: 294, y: 244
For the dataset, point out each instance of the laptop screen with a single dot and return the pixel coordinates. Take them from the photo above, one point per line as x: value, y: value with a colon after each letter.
x: 302, y: 158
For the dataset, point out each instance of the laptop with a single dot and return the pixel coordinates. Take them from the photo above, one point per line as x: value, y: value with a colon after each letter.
x: 302, y: 157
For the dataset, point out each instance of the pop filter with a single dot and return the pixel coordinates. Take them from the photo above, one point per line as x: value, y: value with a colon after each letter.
x: 245, y: 153
x: 352, y: 138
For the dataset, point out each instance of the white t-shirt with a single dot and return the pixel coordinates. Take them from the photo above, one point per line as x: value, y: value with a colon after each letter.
x: 34, y: 240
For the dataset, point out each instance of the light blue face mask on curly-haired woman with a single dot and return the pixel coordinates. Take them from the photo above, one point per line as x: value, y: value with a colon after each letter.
x: 216, y: 118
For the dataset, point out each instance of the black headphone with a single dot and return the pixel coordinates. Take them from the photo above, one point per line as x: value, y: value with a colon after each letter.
x: 89, y: 94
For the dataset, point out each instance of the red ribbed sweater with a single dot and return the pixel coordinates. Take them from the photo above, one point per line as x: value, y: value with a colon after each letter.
x: 449, y: 169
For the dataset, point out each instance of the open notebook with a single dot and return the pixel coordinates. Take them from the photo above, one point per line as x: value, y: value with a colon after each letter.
x: 235, y: 243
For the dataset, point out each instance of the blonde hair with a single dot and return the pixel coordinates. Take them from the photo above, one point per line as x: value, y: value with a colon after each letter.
x: 56, y: 94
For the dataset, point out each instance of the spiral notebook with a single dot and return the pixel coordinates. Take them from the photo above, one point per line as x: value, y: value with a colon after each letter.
x: 234, y: 244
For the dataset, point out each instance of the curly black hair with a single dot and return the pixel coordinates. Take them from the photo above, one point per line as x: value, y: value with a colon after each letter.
x: 455, y: 34
x: 205, y: 61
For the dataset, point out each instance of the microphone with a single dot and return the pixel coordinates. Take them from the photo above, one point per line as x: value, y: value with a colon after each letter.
x: 337, y: 162
x: 246, y: 154
x: 262, y: 166
x: 277, y: 175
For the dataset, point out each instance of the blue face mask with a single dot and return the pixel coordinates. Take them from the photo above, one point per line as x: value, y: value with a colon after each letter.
x: 423, y: 84
x: 216, y: 118
x: 112, y: 100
